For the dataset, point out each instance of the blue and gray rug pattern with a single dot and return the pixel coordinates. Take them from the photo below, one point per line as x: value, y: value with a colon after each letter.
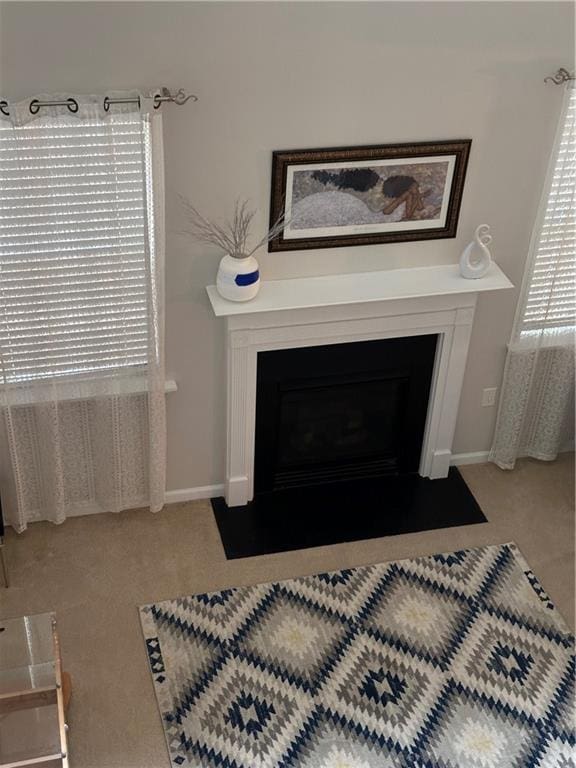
x: 457, y: 660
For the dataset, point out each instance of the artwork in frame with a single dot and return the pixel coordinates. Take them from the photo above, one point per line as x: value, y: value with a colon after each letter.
x: 367, y: 195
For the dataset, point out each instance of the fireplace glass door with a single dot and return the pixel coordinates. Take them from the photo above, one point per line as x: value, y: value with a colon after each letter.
x: 341, y: 412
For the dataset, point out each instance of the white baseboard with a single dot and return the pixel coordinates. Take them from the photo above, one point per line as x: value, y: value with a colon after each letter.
x: 479, y: 457
x: 209, y: 491
x: 191, y: 494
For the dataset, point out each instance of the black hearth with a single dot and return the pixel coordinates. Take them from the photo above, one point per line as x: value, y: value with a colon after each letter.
x: 341, y: 412
x: 339, y: 432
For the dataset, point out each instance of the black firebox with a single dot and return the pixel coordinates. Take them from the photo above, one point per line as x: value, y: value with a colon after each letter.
x: 341, y: 412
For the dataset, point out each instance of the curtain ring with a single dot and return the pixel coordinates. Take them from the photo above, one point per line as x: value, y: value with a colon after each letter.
x: 157, y: 102
x: 106, y: 103
x: 72, y: 105
x: 34, y: 106
x: 4, y: 108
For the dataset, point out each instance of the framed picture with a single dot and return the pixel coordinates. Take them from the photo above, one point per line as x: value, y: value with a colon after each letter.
x: 366, y: 195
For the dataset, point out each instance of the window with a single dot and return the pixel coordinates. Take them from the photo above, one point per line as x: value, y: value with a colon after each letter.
x: 550, y: 290
x: 73, y: 260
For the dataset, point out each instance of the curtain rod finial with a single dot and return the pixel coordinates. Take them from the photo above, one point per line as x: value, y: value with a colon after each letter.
x: 560, y: 76
x: 180, y: 97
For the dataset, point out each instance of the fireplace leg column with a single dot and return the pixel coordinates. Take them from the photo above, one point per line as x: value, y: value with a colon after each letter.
x: 241, y: 418
x: 441, y: 455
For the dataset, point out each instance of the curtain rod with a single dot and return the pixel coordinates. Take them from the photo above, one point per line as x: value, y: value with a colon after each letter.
x: 559, y: 77
x: 179, y: 98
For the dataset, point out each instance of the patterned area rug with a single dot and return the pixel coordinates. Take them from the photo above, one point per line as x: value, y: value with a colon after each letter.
x: 453, y: 661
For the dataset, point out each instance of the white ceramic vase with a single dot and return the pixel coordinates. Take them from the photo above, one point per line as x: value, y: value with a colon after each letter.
x: 475, y: 260
x: 238, y: 279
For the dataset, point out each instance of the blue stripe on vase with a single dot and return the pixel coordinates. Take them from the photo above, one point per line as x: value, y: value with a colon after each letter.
x: 248, y: 278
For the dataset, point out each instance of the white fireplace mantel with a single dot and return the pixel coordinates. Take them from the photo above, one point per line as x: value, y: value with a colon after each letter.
x: 336, y: 309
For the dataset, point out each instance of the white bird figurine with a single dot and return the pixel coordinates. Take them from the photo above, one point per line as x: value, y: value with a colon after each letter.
x: 475, y: 260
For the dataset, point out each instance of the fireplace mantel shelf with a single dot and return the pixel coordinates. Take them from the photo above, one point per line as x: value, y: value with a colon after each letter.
x: 359, y: 288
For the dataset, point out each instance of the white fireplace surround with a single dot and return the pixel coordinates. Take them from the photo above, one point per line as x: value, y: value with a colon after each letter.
x: 338, y: 309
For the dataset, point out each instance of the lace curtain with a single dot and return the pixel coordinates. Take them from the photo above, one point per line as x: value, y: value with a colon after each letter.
x: 81, y: 308
x: 536, y: 412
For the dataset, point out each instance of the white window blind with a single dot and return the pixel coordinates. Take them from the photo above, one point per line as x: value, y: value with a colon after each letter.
x: 73, y: 265
x: 550, y: 296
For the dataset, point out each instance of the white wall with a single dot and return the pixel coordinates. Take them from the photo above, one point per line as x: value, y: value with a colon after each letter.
x: 304, y: 75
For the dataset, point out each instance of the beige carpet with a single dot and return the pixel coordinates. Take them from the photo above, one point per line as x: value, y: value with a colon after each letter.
x: 95, y: 571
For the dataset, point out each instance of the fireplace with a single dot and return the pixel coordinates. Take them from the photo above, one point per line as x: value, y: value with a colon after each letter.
x: 340, y: 412
x: 354, y: 377
x: 338, y: 310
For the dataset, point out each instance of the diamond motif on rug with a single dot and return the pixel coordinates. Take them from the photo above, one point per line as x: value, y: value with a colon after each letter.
x: 469, y: 732
x: 333, y: 745
x: 457, y: 660
x: 295, y: 640
x: 218, y: 615
x: 557, y: 754
x: 340, y: 593
x: 384, y: 691
x: 416, y: 614
x: 245, y: 714
x: 513, y: 590
x: 514, y: 665
x: 462, y: 572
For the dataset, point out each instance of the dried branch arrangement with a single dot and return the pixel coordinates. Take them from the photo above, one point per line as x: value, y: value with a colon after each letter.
x: 232, y: 236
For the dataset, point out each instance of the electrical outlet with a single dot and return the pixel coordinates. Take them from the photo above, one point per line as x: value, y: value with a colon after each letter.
x: 489, y: 396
